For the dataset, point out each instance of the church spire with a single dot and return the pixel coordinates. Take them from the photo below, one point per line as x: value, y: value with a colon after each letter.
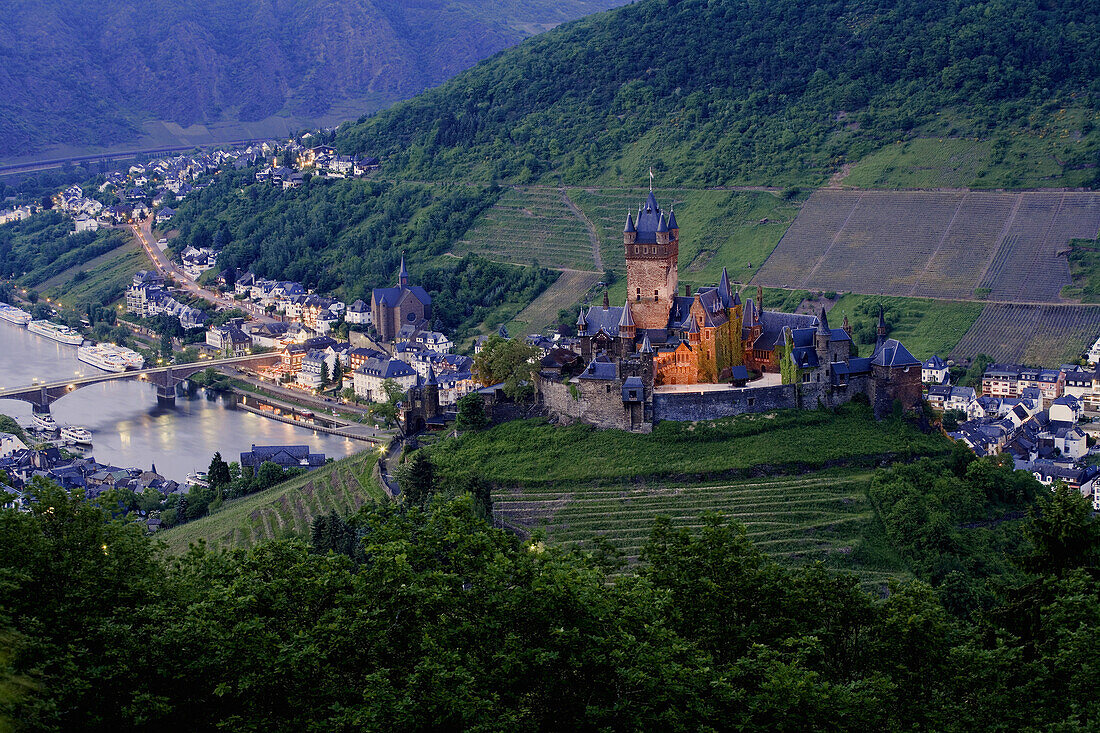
x: 403, y: 276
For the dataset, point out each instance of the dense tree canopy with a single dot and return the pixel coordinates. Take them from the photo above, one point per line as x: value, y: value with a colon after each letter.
x: 725, y: 91
x: 415, y: 617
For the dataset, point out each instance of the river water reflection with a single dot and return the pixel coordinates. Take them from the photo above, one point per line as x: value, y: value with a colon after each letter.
x: 129, y: 428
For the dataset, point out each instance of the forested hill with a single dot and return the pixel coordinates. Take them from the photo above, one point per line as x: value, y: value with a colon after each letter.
x: 87, y: 71
x: 754, y: 91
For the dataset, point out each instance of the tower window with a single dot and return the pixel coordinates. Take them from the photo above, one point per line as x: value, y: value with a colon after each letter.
x: 635, y: 249
x: 645, y: 250
x: 655, y: 295
x: 639, y: 295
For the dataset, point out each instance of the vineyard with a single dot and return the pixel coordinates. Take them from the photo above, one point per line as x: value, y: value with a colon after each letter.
x: 1031, y: 334
x: 566, y: 291
x: 732, y: 229
x: 284, y: 510
x: 528, y: 225
x: 933, y: 244
x: 798, y: 519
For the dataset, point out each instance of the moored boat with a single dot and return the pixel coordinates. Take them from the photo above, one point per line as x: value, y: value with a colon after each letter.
x: 101, y: 358
x: 11, y: 314
x: 76, y: 434
x: 56, y: 331
x: 43, y: 422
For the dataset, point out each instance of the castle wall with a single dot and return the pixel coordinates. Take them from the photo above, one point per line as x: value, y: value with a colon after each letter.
x: 592, y: 402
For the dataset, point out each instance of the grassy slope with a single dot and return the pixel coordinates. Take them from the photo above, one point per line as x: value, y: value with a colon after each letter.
x: 286, y: 509
x: 107, y: 278
x: 938, y: 158
x: 926, y: 327
x: 797, y: 479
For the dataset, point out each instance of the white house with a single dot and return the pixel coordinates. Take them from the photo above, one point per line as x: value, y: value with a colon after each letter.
x: 367, y: 379
x: 934, y: 371
x: 358, y: 313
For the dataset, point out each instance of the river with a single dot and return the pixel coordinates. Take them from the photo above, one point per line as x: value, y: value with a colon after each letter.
x: 129, y: 428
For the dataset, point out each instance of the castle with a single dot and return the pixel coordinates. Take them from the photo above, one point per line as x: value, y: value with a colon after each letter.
x: 666, y: 356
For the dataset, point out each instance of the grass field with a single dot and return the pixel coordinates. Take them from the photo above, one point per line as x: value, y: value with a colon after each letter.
x: 926, y: 327
x: 284, y: 510
x: 533, y: 452
x: 529, y: 224
x: 1039, y: 335
x: 823, y: 516
x: 100, y: 281
x: 731, y: 229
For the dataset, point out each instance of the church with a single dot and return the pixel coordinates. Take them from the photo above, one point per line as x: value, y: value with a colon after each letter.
x: 640, y: 356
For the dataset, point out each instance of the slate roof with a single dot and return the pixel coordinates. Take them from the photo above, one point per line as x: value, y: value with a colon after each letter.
x: 891, y: 353
x: 386, y: 368
x: 935, y: 363
x: 283, y: 455
x: 600, y: 370
x: 604, y: 319
x: 650, y: 221
x: 392, y: 296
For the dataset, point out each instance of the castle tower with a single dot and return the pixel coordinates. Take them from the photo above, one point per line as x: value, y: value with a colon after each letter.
x: 822, y: 337
x: 431, y: 395
x: 626, y: 329
x: 652, y: 248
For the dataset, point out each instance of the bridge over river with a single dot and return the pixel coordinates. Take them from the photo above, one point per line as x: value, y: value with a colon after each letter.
x: 166, y: 379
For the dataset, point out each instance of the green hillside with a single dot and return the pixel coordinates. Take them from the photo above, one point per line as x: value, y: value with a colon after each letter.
x: 285, y: 510
x: 718, y: 92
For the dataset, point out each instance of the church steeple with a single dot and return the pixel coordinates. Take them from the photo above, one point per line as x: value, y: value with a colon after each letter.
x: 403, y: 276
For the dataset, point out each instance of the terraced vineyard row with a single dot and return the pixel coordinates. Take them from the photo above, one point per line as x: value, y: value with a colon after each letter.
x: 795, y: 519
x: 1031, y: 334
x: 933, y: 244
x: 564, y: 293
x: 284, y: 510
x: 529, y: 224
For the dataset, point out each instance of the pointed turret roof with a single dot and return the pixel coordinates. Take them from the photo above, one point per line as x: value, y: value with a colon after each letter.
x: 823, y: 322
x: 629, y: 228
x: 725, y: 292
x: 647, y: 348
x: 582, y: 323
x: 661, y: 225
x: 693, y: 327
x: 737, y: 298
x: 626, y: 320
x: 672, y: 220
x: 651, y: 203
x: 431, y: 377
x: 403, y: 276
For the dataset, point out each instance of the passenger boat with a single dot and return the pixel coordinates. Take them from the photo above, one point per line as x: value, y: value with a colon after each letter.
x: 43, y: 422
x: 11, y: 314
x: 133, y: 359
x: 76, y: 434
x: 56, y: 331
x: 101, y: 358
x: 198, y: 478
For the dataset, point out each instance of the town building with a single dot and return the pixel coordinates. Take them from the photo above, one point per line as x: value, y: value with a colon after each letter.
x: 368, y: 379
x: 403, y: 305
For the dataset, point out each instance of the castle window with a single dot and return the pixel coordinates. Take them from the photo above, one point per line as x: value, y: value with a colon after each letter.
x: 635, y: 249
x: 609, y: 389
x: 645, y: 250
x: 639, y: 293
x: 655, y: 295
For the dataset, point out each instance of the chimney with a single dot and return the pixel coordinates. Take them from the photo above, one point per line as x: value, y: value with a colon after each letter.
x: 606, y: 301
x: 687, y: 289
